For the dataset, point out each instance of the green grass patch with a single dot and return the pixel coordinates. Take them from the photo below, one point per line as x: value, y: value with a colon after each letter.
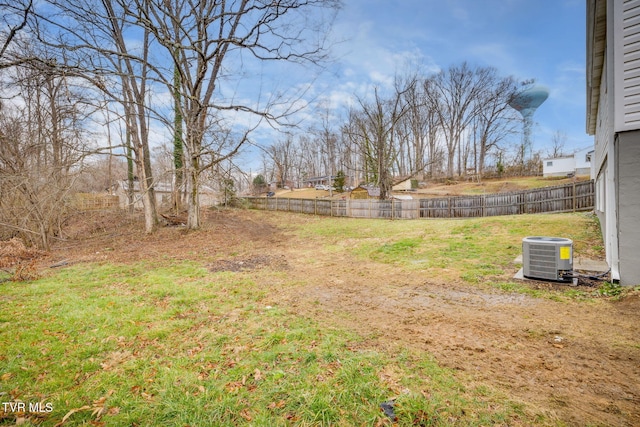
x: 143, y: 344
x: 478, y: 250
x: 473, y: 250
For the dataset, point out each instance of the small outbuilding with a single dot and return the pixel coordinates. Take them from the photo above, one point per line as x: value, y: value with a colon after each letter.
x: 363, y: 192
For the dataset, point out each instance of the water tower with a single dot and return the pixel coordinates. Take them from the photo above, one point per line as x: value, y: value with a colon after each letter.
x: 526, y: 102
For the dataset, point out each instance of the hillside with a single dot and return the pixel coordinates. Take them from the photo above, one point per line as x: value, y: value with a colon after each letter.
x: 451, y: 188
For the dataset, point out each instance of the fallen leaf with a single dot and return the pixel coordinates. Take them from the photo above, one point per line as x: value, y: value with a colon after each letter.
x: 278, y: 405
x: 71, y: 412
x: 97, y: 411
x: 245, y: 414
x: 100, y: 401
x: 6, y: 376
x: 146, y: 395
x: 232, y: 387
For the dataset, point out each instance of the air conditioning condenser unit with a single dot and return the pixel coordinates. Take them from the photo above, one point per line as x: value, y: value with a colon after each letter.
x: 547, y: 258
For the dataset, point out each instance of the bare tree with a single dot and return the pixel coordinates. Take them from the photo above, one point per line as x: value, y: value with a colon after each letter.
x: 201, y: 37
x: 133, y: 73
x: 423, y: 123
x: 282, y: 155
x: 328, y: 142
x: 14, y: 17
x: 418, y: 130
x: 41, y: 153
x: 558, y: 141
x: 494, y: 119
x: 454, y: 92
x: 373, y: 131
x: 197, y: 47
x: 86, y: 40
x: 178, y: 142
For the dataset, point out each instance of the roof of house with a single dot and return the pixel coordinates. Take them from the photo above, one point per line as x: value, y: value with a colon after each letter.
x: 161, y: 187
x: 571, y: 156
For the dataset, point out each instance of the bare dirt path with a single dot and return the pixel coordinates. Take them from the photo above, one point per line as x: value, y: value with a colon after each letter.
x: 577, y: 361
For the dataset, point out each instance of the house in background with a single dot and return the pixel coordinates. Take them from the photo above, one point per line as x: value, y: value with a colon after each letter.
x: 578, y: 163
x: 319, y: 180
x: 613, y: 116
x: 163, y: 192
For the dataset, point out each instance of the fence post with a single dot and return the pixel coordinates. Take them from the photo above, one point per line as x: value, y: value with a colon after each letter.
x: 574, y: 194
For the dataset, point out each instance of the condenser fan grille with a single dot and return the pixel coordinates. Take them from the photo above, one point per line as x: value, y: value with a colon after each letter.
x: 547, y: 258
x: 542, y: 262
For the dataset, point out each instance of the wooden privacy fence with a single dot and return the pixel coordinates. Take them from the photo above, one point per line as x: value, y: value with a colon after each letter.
x: 562, y: 198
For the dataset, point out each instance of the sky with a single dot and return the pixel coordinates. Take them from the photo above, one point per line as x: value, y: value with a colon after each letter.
x: 527, y: 39
x: 375, y: 40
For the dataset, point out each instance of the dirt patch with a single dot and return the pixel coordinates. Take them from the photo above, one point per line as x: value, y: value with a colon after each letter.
x: 254, y: 262
x: 575, y: 361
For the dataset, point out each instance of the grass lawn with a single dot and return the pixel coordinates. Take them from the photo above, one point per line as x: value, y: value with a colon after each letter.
x: 170, y: 343
x: 153, y: 345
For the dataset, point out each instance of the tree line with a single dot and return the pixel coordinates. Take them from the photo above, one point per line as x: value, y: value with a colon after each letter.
x: 75, y: 70
x: 444, y: 125
x: 86, y: 85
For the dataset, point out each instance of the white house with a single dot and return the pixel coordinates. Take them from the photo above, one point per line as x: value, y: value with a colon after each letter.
x: 613, y: 116
x: 558, y: 166
x: 578, y: 163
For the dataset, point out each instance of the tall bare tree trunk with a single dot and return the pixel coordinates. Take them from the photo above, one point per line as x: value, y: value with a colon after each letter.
x: 130, y: 174
x: 178, y: 152
x: 193, y: 215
